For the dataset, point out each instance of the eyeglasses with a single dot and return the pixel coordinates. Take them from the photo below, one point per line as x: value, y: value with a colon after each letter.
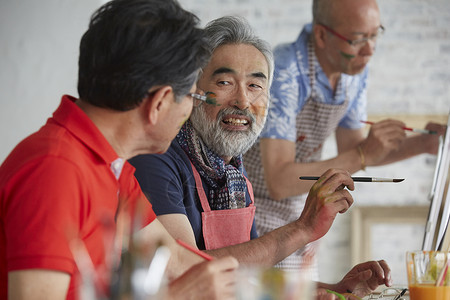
x: 357, y: 42
x: 209, y: 98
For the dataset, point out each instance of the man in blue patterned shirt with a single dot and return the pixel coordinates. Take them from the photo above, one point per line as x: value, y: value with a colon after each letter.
x: 320, y: 88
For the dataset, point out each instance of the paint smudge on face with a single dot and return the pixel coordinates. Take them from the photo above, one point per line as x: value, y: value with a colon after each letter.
x: 346, y: 55
x: 259, y: 105
x: 211, y: 98
x: 259, y: 111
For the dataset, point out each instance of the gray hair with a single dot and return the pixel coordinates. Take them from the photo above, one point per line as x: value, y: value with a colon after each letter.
x: 236, y: 30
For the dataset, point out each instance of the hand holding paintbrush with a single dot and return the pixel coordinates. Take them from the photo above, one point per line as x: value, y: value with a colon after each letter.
x: 207, y: 279
x: 418, y: 130
x: 387, y: 141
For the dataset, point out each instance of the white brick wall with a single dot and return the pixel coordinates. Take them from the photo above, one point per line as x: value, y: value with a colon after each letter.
x: 410, y: 72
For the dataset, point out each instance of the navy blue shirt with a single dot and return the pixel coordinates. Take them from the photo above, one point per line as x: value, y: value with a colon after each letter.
x: 168, y: 182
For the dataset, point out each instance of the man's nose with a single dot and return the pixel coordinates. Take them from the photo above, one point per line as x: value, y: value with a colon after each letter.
x: 369, y: 48
x: 241, y: 98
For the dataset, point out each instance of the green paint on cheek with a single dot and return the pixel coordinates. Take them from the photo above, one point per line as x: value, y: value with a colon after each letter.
x: 211, y: 98
x: 346, y: 55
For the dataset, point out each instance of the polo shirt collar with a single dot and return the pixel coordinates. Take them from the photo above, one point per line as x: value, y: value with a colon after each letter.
x: 71, y: 117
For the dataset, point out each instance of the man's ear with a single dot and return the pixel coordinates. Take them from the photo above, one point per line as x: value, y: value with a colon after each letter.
x: 157, y: 103
x: 319, y: 35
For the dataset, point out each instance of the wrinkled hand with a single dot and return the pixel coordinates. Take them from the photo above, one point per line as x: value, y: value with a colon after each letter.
x: 364, y: 278
x: 207, y: 280
x: 384, y: 136
x: 431, y: 141
x: 326, y: 198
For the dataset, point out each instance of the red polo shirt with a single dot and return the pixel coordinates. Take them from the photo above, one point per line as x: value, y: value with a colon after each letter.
x: 59, y: 185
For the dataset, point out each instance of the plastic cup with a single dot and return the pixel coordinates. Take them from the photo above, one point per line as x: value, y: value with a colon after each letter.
x: 428, y: 275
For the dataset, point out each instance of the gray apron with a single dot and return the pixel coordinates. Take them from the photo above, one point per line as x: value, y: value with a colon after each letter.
x: 314, y: 124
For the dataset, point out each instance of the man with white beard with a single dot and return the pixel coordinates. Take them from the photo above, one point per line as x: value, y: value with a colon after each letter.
x: 198, y: 188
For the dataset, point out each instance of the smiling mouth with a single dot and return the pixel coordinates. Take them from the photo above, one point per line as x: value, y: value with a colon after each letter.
x: 236, y: 121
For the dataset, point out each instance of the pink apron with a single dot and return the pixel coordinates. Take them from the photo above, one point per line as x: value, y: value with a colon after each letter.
x: 222, y: 228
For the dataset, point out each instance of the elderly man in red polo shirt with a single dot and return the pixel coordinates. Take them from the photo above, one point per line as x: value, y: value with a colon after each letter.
x: 67, y: 184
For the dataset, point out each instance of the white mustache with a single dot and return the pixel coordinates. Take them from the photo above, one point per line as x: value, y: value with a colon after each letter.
x: 232, y: 111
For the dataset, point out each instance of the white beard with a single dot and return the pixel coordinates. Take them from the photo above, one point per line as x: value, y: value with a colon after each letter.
x: 221, y: 141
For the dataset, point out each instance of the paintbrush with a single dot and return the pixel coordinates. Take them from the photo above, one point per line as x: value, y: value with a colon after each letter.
x: 360, y: 179
x: 441, y: 278
x: 418, y: 130
x: 194, y: 250
x: 401, y: 294
x: 209, y: 98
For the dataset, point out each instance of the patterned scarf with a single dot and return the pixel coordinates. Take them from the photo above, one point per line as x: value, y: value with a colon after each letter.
x: 226, y: 181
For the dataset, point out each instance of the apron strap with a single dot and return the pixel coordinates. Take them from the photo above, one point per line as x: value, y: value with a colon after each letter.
x: 200, y: 190
x: 202, y: 195
x: 250, y: 191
